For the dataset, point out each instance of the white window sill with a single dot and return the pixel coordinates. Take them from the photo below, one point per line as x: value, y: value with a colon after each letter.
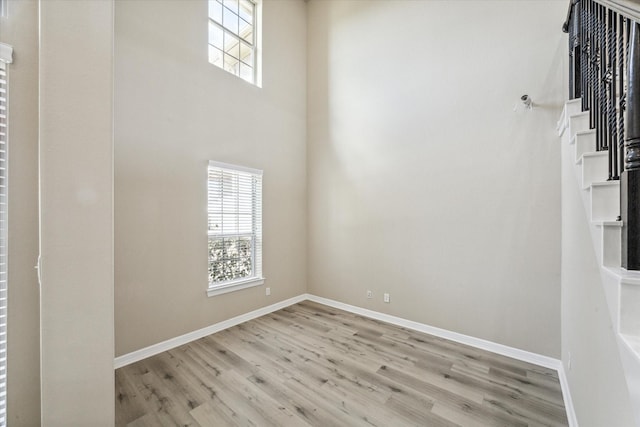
x: 235, y: 286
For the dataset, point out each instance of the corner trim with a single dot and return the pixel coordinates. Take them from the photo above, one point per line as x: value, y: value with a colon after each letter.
x: 566, y: 396
x: 152, y: 350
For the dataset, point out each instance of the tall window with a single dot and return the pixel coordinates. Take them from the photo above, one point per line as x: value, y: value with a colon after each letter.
x: 233, y: 36
x: 5, y: 57
x: 234, y: 203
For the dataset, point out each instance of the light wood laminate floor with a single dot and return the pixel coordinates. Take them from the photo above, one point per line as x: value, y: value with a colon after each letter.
x: 310, y: 364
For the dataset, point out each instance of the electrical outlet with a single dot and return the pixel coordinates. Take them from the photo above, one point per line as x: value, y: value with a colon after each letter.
x: 387, y: 298
x: 268, y: 291
x: 369, y: 293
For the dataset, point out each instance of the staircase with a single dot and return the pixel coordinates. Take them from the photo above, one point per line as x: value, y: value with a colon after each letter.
x: 601, y: 200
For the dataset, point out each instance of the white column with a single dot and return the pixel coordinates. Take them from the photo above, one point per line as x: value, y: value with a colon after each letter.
x: 76, y: 212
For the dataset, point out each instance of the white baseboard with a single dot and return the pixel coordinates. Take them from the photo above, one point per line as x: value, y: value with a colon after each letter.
x: 525, y: 356
x: 566, y: 395
x: 143, y: 353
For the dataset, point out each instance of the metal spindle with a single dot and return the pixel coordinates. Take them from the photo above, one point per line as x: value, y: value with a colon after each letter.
x: 622, y: 25
x: 611, y: 110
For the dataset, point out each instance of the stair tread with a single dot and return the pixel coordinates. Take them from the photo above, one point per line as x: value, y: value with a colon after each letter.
x: 627, y: 276
x: 592, y: 154
x: 612, y: 183
x: 607, y: 223
x: 581, y: 114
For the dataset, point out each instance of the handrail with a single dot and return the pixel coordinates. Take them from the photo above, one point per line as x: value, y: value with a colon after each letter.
x: 565, y: 26
x: 627, y: 8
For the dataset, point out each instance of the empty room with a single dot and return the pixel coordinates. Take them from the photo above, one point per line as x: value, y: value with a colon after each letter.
x: 319, y: 213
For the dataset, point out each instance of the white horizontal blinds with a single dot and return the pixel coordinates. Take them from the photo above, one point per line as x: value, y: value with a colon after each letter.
x: 234, y: 223
x: 3, y: 243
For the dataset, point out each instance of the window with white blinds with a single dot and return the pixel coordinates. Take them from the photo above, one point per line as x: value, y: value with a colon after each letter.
x: 234, y: 206
x: 3, y: 243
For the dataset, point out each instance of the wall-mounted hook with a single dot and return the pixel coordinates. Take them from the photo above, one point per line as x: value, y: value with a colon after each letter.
x: 526, y: 100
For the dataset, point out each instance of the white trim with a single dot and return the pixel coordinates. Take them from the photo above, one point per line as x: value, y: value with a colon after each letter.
x: 6, y: 53
x: 525, y: 356
x: 522, y: 355
x: 221, y: 165
x: 515, y: 353
x: 152, y: 350
x: 234, y: 286
x: 566, y: 395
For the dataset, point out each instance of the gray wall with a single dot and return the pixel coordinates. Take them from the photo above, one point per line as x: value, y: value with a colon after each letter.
x: 174, y: 112
x: 76, y: 212
x: 20, y: 29
x: 423, y: 181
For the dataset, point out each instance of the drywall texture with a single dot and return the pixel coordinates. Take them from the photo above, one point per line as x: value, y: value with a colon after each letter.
x: 76, y: 194
x: 423, y: 181
x: 596, y: 377
x: 19, y: 28
x: 173, y: 113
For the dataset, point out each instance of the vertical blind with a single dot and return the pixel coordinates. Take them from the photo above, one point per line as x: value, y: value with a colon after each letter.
x: 3, y: 243
x: 234, y: 207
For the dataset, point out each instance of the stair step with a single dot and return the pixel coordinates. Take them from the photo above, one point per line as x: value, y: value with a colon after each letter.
x: 578, y: 123
x: 621, y: 274
x: 595, y: 167
x: 611, y: 242
x: 584, y: 142
x: 571, y: 107
x: 630, y: 308
x: 605, y: 200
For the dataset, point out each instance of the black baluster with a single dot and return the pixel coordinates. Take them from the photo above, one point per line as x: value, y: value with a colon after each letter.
x: 611, y: 98
x: 622, y: 28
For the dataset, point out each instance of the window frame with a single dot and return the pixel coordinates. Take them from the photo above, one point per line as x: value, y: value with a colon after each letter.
x: 254, y: 44
x: 256, y: 278
x: 6, y: 55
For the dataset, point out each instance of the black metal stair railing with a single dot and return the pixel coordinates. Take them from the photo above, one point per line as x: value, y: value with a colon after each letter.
x: 604, y: 72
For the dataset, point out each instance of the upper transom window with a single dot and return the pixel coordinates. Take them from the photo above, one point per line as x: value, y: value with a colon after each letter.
x: 232, y: 37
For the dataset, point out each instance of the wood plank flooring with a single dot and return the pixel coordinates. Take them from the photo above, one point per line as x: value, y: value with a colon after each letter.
x: 313, y: 365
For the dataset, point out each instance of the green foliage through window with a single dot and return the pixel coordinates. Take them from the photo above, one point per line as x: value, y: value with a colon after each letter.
x: 230, y: 258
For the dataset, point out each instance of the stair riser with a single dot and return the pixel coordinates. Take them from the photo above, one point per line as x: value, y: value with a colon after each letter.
x: 594, y: 169
x: 584, y: 143
x: 577, y: 124
x: 605, y: 203
x: 570, y: 109
x: 629, y: 309
x: 611, y: 243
